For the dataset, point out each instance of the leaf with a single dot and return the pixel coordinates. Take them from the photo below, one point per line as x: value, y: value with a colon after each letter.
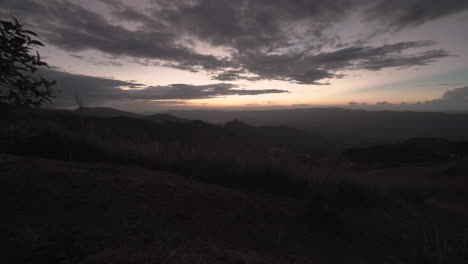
x: 18, y: 63
x: 16, y: 22
x: 30, y: 32
x: 36, y: 42
x: 7, y: 25
x: 18, y: 41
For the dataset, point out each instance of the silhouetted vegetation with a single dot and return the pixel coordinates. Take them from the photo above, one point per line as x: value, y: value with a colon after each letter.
x: 19, y: 85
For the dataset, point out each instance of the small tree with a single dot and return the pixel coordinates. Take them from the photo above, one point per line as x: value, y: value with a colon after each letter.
x: 19, y: 83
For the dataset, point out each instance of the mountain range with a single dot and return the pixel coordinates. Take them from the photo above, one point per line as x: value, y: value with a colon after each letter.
x: 348, y: 128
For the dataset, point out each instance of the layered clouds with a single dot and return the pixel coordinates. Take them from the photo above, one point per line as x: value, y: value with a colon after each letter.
x: 454, y: 100
x: 74, y: 90
x: 398, y: 14
x: 242, y: 40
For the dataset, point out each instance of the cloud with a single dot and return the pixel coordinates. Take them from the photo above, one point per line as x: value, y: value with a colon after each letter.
x: 419, y: 59
x: 368, y: 57
x: 449, y: 84
x: 398, y: 14
x: 97, y: 61
x: 249, y: 25
x: 91, y: 91
x: 261, y: 39
x: 75, y: 28
x: 127, y: 12
x: 234, y: 75
x: 94, y: 91
x: 188, y: 92
x: 455, y: 100
x: 310, y: 69
x: 459, y: 95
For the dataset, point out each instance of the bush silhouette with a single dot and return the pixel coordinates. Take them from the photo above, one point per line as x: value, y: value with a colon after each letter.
x: 20, y: 86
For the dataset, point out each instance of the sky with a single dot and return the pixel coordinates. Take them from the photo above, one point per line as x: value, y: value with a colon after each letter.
x: 158, y: 55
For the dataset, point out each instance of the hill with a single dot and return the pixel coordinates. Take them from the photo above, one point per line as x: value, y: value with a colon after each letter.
x: 345, y: 128
x: 162, y: 117
x: 298, y: 141
x: 62, y: 212
x: 231, y: 193
x: 104, y: 112
x: 261, y: 158
x: 415, y: 151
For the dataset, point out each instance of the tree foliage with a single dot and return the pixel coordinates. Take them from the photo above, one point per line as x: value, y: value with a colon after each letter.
x: 20, y: 85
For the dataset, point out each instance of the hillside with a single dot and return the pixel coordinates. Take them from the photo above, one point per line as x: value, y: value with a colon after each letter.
x: 104, y: 112
x: 62, y: 212
x: 194, y: 192
x: 422, y: 151
x: 166, y: 118
x: 197, y: 149
x: 37, y: 131
x: 344, y: 128
x: 107, y: 112
x: 285, y: 137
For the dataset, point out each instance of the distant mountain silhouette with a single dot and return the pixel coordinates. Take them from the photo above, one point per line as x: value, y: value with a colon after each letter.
x: 112, y: 124
x: 105, y: 112
x: 279, y: 136
x: 304, y: 130
x: 161, y: 118
x: 236, y: 124
x: 346, y: 128
x: 173, y: 128
x: 112, y: 112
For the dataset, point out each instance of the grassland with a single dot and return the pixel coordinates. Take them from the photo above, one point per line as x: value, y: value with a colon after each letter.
x: 122, y: 190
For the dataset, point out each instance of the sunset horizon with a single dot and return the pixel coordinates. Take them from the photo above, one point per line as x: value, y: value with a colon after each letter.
x: 155, y: 56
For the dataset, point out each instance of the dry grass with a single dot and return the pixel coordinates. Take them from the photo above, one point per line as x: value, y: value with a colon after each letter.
x: 61, y: 212
x: 333, y: 206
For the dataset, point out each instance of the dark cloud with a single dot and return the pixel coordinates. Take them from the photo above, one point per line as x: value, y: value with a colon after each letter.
x: 233, y: 75
x: 76, y: 56
x: 459, y: 95
x: 75, y: 28
x: 455, y: 100
x: 263, y: 39
x: 98, y: 62
x: 89, y: 90
x: 250, y: 25
x: 125, y: 12
x: 256, y: 28
x: 347, y: 56
x: 309, y: 69
x: 449, y: 84
x: 93, y: 91
x: 291, y: 67
x: 398, y: 14
x: 419, y: 59
x: 187, y: 92
x: 170, y: 102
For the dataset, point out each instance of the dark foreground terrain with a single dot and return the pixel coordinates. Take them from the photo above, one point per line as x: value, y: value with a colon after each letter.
x: 106, y: 186
x: 69, y: 212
